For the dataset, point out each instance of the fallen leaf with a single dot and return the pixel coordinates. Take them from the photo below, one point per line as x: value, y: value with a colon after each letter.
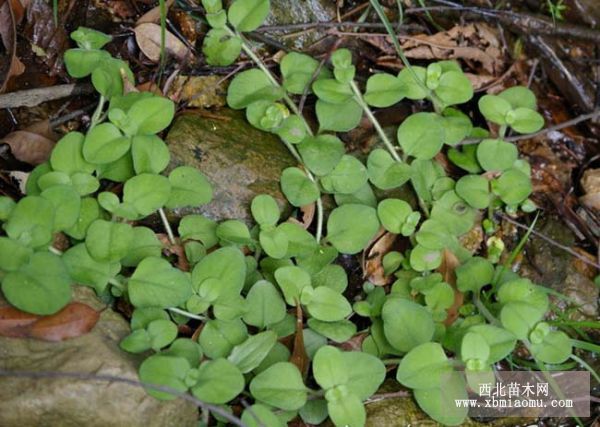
x: 147, y: 36
x: 354, y: 343
x: 299, y: 356
x: 153, y: 15
x: 373, y: 259
x: 199, y: 91
x: 74, y: 320
x: 33, y: 144
x: 176, y: 249
x: 11, y: 65
x: 448, y: 271
x: 48, y: 40
x: 590, y: 182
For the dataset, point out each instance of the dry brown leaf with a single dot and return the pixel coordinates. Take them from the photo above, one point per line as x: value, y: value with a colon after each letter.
x: 74, y: 320
x: 199, y: 91
x: 33, y: 144
x: 373, y: 259
x: 299, y: 356
x: 48, y: 40
x: 147, y: 36
x: 11, y: 66
x: 153, y: 15
x: 448, y: 271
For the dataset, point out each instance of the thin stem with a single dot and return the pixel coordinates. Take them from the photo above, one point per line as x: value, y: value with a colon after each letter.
x: 359, y: 98
x: 484, y: 310
x: 186, y: 313
x: 55, y: 251
x: 98, y: 112
x: 586, y: 366
x: 116, y: 284
x: 165, y: 221
x: 292, y: 106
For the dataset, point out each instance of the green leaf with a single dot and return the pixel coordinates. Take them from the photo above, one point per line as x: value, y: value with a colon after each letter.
x: 218, y: 337
x: 475, y: 190
x: 525, y: 120
x: 384, y: 90
x: 421, y: 135
x: 233, y: 232
x: 151, y: 115
x: 454, y: 88
x: 465, y: 158
x: 248, y: 15
x: 314, y: 412
x: 119, y: 171
x: 349, y: 176
x: 269, y: 388
x: 164, y: 371
x: 274, y: 242
x: 249, y: 354
x: 149, y: 153
x: 325, y: 304
x: 147, y: 193
x: 85, y: 270
x: 144, y: 244
x: 88, y: 213
x: 198, y: 227
x: 555, y: 348
x: 155, y: 283
x: 251, y: 86
x: 414, y: 89
x: 424, y: 367
x: 433, y: 234
x: 136, y: 342
x: 425, y: 259
x: 440, y: 403
x: 31, y: 221
x: 366, y: 373
x: 300, y: 242
x: 345, y: 233
x: 264, y: 305
x: 452, y: 211
x: 513, y: 187
x: 333, y: 276
x: 219, y: 381
x: 67, y: 205
x: 186, y: 348
x: 393, y: 214
x: 260, y: 415
x: 298, y: 188
x: 162, y: 333
x: 81, y: 62
x: 332, y: 91
x: 227, y: 265
x: 457, y: 126
x: 339, y: 331
x: 13, y: 254
x: 494, y: 108
x: 67, y: 155
x: 496, y: 155
x: 406, y: 324
x: 189, y: 187
x: 297, y: 70
x: 108, y: 241
x: 384, y: 172
x: 88, y: 38
x: 42, y: 286
x: 338, y: 117
x: 347, y: 411
x: 292, y: 280
x: 105, y: 144
x: 519, y: 97
x: 265, y: 210
x: 474, y: 346
x: 84, y: 183
x: 500, y: 341
x: 6, y: 207
x: 292, y: 130
x: 329, y: 367
x: 321, y: 153
x: 221, y: 48
x: 474, y: 274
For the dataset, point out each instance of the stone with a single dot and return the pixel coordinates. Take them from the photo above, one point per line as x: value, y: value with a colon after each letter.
x: 72, y: 403
x: 240, y: 161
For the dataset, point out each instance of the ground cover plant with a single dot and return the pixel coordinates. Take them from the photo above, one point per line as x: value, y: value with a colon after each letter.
x: 271, y: 298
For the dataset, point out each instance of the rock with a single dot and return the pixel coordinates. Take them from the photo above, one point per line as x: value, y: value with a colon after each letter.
x: 285, y: 12
x: 68, y: 402
x: 199, y: 91
x: 555, y: 268
x: 239, y: 160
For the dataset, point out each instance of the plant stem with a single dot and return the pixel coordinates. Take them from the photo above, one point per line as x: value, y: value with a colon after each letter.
x: 165, y: 221
x: 98, y: 112
x: 359, y: 98
x: 55, y: 251
x: 292, y: 106
x: 186, y: 313
x: 116, y: 284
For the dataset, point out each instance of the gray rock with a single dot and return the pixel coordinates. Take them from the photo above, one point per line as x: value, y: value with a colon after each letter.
x: 239, y: 160
x: 67, y: 402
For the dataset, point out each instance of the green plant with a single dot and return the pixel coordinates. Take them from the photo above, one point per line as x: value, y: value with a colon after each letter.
x: 244, y: 283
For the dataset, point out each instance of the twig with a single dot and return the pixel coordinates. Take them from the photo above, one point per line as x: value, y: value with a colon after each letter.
x: 33, y: 97
x: 551, y: 241
x: 112, y: 378
x: 559, y: 126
